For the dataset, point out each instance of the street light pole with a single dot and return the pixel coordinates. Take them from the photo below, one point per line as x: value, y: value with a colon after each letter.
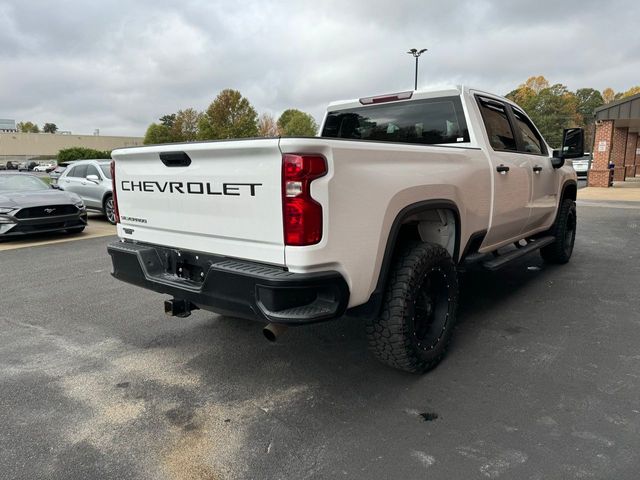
x: 416, y: 53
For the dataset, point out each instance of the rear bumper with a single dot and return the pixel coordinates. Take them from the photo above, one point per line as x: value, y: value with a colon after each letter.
x: 232, y: 287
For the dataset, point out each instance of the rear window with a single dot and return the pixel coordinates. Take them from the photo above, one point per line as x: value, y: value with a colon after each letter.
x: 430, y: 121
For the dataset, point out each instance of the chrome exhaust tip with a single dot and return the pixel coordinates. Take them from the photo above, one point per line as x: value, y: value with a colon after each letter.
x: 272, y: 331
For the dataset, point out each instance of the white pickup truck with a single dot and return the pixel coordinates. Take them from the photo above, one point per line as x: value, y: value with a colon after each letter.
x: 371, y: 218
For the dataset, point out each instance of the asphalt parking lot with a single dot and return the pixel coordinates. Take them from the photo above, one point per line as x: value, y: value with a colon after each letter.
x: 542, y: 380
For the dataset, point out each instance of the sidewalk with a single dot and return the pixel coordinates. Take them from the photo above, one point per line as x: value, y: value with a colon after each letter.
x: 628, y: 191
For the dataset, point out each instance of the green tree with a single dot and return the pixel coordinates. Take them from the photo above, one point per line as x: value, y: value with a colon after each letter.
x: 588, y: 100
x: 158, y: 133
x: 168, y: 120
x: 49, y: 128
x: 79, y: 153
x: 27, y: 127
x: 551, y: 108
x: 293, y: 122
x: 556, y: 109
x: 230, y: 115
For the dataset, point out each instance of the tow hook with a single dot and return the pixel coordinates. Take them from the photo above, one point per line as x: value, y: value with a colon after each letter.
x: 178, y: 308
x: 272, y: 331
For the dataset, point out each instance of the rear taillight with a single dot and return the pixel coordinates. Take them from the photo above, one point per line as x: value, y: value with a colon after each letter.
x: 302, y: 215
x: 116, y: 213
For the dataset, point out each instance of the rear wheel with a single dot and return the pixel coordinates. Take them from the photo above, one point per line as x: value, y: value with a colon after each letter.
x: 109, y: 210
x: 564, y: 229
x: 418, y: 316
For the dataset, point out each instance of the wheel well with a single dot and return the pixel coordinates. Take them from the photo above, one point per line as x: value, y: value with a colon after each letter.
x: 437, y: 225
x: 105, y: 196
x: 569, y: 191
x: 436, y: 221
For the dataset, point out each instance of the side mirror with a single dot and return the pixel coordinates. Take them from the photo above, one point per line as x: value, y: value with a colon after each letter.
x: 572, y: 146
x: 93, y: 178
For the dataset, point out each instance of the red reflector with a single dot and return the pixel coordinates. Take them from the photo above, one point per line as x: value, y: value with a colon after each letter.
x: 116, y: 213
x: 386, y: 98
x: 302, y: 215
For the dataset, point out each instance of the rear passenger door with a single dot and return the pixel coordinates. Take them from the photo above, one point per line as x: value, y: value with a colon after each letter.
x: 511, y: 173
x: 72, y: 181
x: 544, y: 186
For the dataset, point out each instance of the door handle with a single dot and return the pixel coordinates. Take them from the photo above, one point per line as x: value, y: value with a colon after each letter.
x: 502, y: 169
x: 537, y: 169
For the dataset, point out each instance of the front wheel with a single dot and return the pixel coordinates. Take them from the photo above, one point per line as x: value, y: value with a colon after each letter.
x: 419, y: 311
x: 564, y: 230
x: 109, y: 210
x: 75, y: 230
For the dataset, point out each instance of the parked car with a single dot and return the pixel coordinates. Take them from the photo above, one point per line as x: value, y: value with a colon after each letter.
x: 56, y: 172
x: 12, y: 165
x: 3, y: 166
x: 27, y: 166
x: 581, y: 165
x: 47, y: 167
x: 28, y: 205
x: 91, y: 180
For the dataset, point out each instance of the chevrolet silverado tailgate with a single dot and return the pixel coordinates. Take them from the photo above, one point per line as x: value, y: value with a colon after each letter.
x: 215, y: 197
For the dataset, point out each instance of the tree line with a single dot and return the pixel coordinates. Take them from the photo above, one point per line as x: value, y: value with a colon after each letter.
x: 554, y: 107
x: 230, y: 115
x: 30, y: 127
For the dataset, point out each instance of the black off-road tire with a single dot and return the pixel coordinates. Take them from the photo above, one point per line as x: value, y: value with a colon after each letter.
x: 564, y: 229
x: 414, y: 328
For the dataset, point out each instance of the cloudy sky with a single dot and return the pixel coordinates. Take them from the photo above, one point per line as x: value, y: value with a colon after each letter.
x: 119, y: 65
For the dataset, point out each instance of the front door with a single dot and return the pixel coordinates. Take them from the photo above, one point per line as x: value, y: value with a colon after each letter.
x: 544, y: 187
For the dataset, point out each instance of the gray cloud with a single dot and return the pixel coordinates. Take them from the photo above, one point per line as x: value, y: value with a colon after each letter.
x: 118, y: 65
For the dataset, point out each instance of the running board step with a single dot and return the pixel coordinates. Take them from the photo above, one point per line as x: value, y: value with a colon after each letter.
x: 502, y: 260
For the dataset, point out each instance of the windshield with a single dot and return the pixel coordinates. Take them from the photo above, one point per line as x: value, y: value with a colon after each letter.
x: 21, y: 183
x: 106, y: 169
x: 431, y: 121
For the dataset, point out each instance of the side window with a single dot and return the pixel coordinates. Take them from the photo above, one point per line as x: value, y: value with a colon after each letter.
x: 496, y: 121
x: 92, y: 170
x: 70, y: 171
x: 79, y: 171
x: 531, y: 140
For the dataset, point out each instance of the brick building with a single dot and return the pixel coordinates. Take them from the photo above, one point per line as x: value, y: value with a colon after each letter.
x: 616, y: 141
